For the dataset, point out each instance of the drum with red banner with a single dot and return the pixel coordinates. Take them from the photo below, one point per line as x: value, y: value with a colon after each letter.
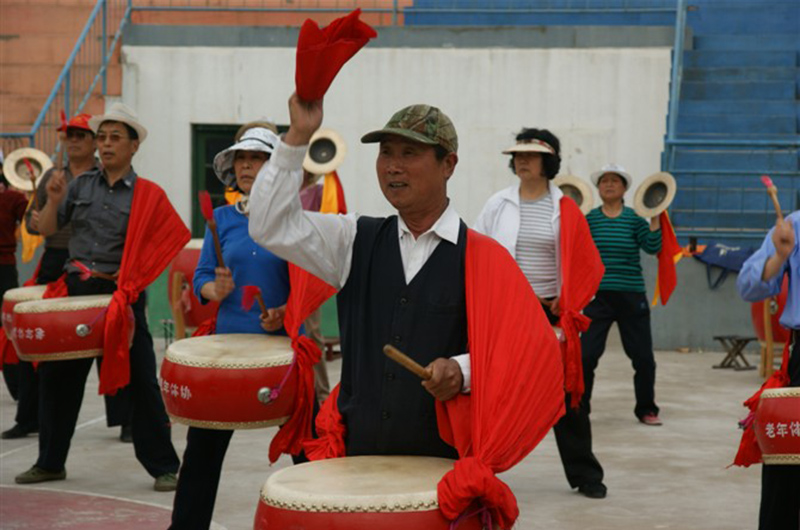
x: 777, y: 425
x: 14, y: 296
x: 358, y: 493
x: 236, y: 381
x: 775, y: 305
x: 62, y: 328
x: 182, y: 270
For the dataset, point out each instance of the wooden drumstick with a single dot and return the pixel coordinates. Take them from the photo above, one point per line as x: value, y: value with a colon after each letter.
x: 406, y: 362
x: 773, y: 193
x: 32, y: 176
x: 208, y: 212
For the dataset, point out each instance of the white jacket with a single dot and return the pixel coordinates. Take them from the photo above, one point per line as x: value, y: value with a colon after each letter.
x: 500, y: 219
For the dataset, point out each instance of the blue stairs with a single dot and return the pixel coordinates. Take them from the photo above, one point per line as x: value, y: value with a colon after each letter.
x: 739, y: 94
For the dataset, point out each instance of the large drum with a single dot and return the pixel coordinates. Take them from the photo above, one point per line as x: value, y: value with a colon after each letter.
x: 15, y: 296
x: 181, y: 274
x: 777, y: 425
x: 62, y: 328
x: 357, y: 493
x: 225, y: 381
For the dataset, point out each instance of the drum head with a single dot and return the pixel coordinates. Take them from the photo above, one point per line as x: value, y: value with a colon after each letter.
x: 24, y: 294
x: 232, y: 351
x: 69, y: 303
x: 360, y: 484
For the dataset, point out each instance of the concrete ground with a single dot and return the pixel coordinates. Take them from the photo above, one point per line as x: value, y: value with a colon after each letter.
x: 669, y: 477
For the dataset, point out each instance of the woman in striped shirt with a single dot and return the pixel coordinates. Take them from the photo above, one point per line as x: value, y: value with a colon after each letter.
x: 526, y: 218
x: 619, y: 234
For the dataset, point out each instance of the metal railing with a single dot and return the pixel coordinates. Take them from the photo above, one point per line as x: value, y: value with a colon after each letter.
x: 84, y: 76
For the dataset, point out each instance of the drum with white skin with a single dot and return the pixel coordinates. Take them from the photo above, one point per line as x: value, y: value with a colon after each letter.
x: 229, y: 381
x: 14, y: 296
x: 58, y: 329
x: 357, y: 493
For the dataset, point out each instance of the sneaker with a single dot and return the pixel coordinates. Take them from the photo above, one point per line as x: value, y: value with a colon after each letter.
x: 651, y: 419
x: 17, y: 431
x: 166, y: 482
x: 36, y: 474
x: 125, y: 435
x: 593, y: 490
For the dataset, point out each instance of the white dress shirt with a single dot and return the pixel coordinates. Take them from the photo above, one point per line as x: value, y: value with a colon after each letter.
x: 322, y: 244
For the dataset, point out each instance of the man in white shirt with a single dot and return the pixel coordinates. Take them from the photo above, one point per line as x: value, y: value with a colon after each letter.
x: 401, y: 278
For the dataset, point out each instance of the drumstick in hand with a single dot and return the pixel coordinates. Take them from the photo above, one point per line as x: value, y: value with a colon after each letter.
x: 32, y: 176
x: 250, y: 294
x: 406, y: 362
x: 773, y: 193
x: 208, y: 212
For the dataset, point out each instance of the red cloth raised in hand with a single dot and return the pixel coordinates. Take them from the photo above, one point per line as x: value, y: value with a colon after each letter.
x: 581, y: 272
x: 155, y: 235
x: 321, y: 53
x: 670, y: 250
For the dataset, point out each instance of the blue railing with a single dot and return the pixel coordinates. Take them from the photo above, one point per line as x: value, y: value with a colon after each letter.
x: 85, y: 69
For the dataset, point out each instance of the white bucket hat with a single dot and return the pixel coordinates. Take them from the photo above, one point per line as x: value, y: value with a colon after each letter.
x: 612, y: 168
x: 123, y: 114
x: 255, y: 139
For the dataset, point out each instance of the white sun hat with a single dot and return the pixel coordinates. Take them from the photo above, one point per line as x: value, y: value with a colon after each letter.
x: 123, y: 114
x: 612, y: 168
x: 255, y: 139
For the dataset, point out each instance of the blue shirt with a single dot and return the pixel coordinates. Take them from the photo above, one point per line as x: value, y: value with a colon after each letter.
x: 250, y: 265
x: 752, y: 289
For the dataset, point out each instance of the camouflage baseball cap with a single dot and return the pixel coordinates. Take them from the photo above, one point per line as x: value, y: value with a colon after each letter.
x: 421, y: 123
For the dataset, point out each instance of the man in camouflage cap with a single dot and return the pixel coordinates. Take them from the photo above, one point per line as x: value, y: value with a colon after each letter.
x: 400, y: 278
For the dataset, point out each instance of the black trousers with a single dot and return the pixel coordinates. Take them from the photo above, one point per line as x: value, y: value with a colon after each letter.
x: 201, y: 469
x: 574, y: 439
x: 9, y: 279
x: 780, y: 485
x: 62, y: 384
x: 631, y: 312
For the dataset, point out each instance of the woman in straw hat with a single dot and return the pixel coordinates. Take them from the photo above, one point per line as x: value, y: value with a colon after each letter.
x: 246, y: 264
x: 547, y: 234
x: 620, y: 234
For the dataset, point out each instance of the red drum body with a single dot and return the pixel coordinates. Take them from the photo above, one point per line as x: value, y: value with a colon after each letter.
x: 15, y: 296
x: 357, y: 493
x: 62, y: 328
x: 779, y: 333
x: 224, y: 381
x: 777, y: 425
x: 194, y: 313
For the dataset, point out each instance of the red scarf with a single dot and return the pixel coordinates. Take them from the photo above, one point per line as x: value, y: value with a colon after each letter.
x: 517, y: 387
x: 581, y: 272
x: 155, y: 235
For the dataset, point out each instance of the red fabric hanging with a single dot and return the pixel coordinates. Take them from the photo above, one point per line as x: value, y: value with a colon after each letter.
x: 321, y: 53
x: 749, y: 453
x: 155, y: 235
x: 307, y: 294
x: 581, y: 272
x: 330, y: 431
x: 667, y: 258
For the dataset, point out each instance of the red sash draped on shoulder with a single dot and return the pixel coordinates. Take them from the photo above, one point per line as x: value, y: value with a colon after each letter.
x: 155, y: 235
x: 749, y: 453
x: 306, y: 295
x: 517, y: 387
x: 671, y: 252
x: 581, y: 272
x: 321, y: 53
x: 56, y: 289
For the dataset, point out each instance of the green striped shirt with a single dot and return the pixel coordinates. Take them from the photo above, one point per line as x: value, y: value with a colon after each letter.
x: 619, y: 239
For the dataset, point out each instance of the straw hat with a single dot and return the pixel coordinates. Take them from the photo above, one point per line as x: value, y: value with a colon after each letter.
x: 655, y: 194
x: 530, y: 145
x: 326, y: 151
x: 576, y: 189
x: 16, y: 171
x: 255, y: 139
x: 123, y: 114
x: 612, y: 168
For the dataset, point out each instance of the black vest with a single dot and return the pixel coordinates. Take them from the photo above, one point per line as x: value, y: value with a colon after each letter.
x: 384, y: 406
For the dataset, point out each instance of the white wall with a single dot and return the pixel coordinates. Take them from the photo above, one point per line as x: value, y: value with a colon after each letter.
x: 604, y: 104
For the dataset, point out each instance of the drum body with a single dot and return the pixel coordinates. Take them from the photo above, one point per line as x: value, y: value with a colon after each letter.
x: 62, y: 328
x: 777, y: 425
x: 357, y: 493
x: 15, y: 296
x: 194, y: 313
x: 215, y: 381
